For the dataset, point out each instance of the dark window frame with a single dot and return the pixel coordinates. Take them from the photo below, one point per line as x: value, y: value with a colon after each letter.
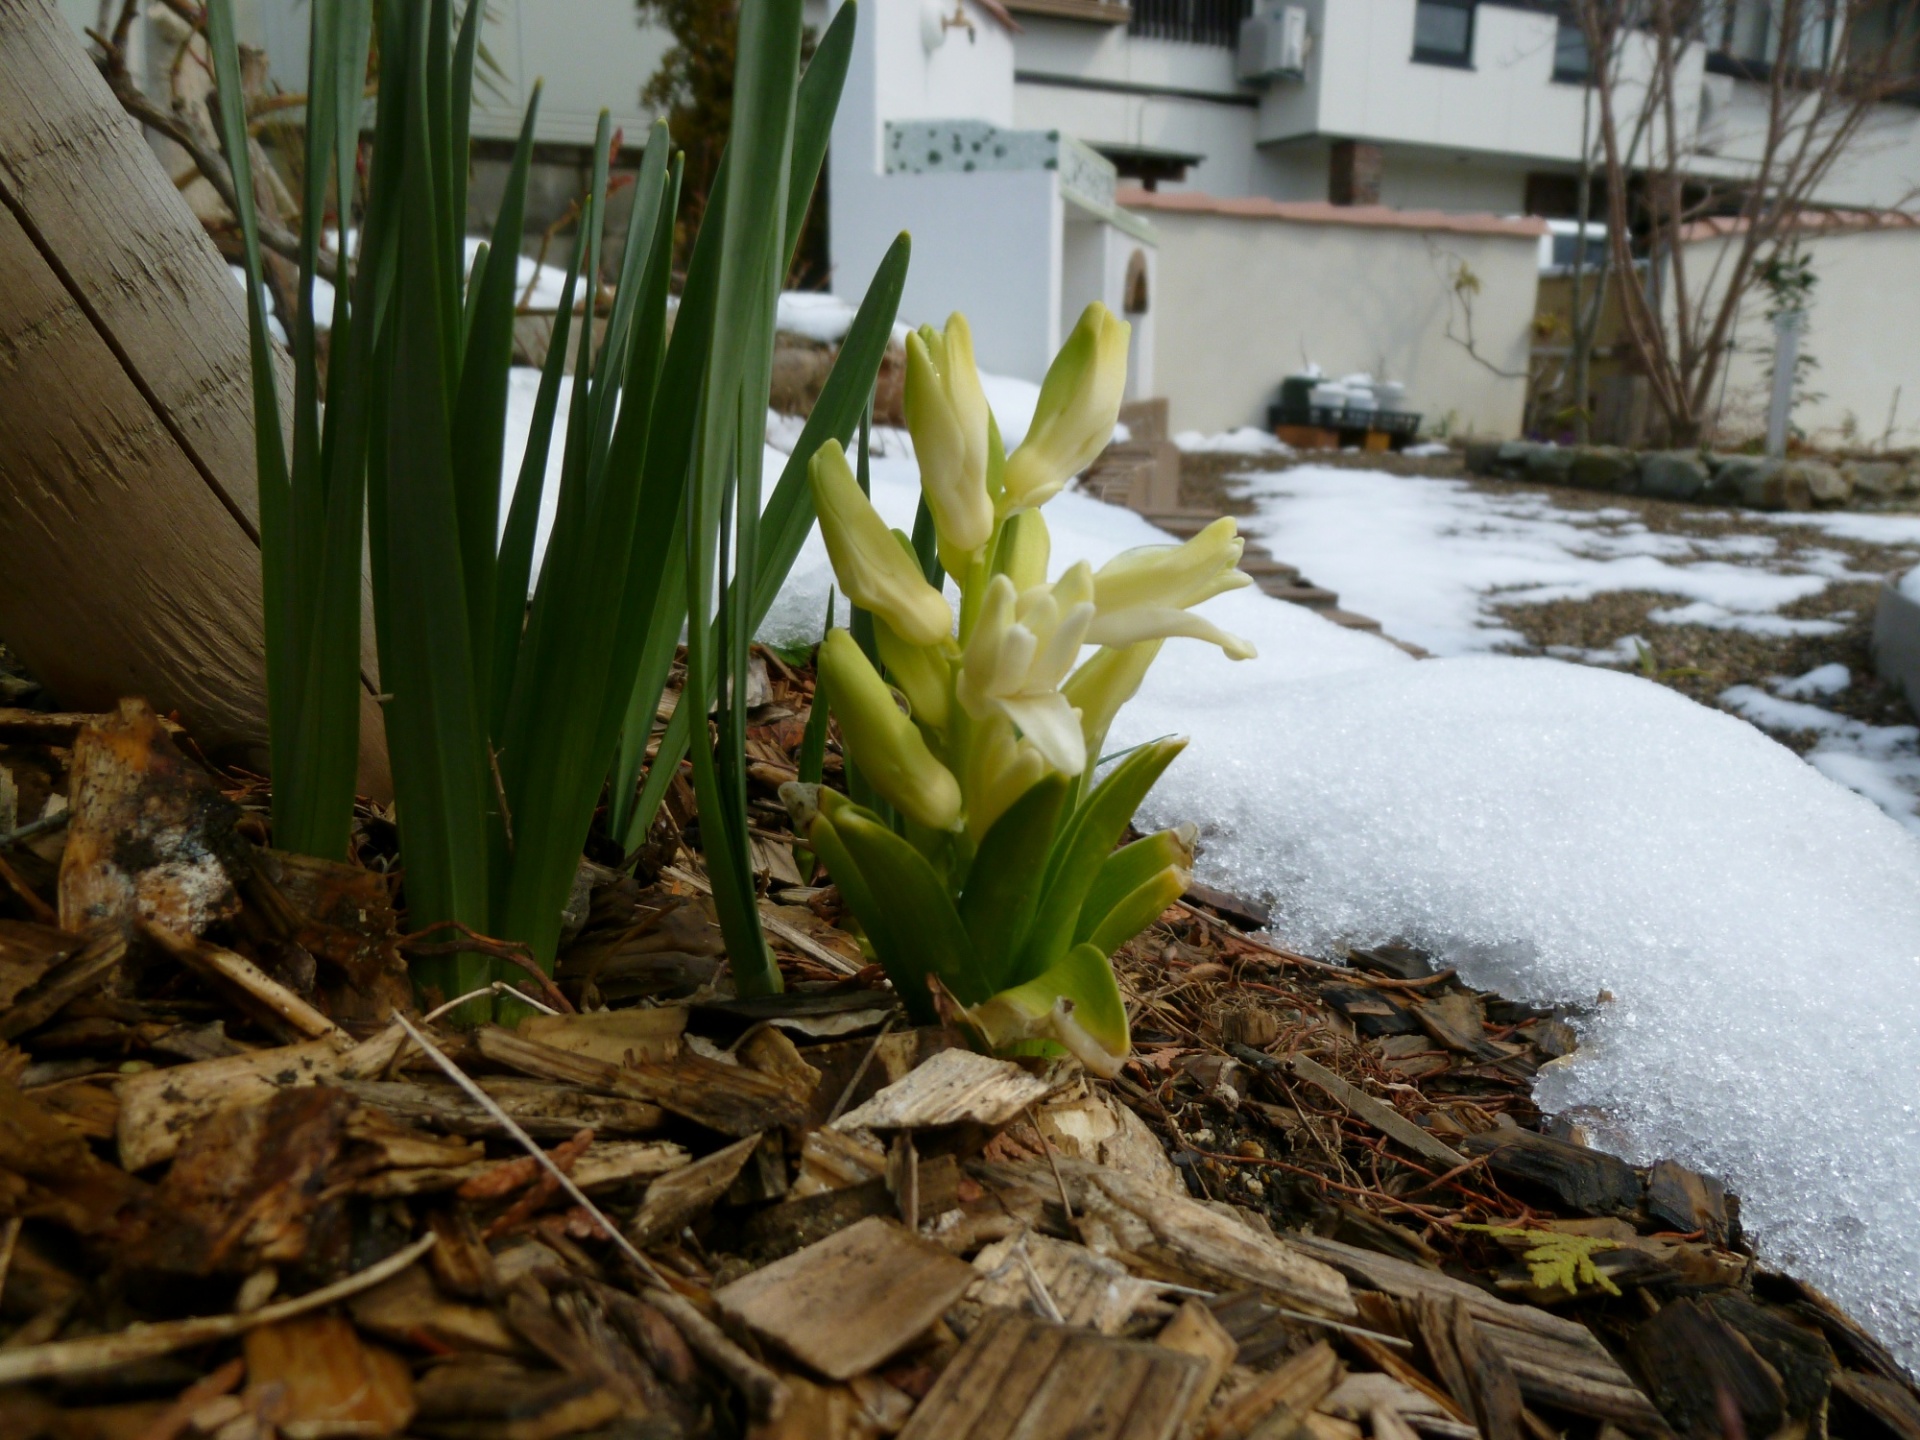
x: 1453, y: 59
x: 1563, y: 75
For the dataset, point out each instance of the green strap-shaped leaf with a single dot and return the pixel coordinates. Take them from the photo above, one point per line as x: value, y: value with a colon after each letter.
x: 1137, y: 909
x: 1092, y: 1023
x: 480, y: 406
x: 577, y: 668
x: 914, y: 928
x: 1082, y: 847
x: 1125, y: 871
x: 726, y: 468
x: 278, y: 555
x: 1001, y: 897
x: 433, y: 718
x: 788, y: 515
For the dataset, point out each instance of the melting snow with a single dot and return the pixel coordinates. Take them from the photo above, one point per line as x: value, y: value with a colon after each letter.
x: 1244, y: 441
x: 1557, y: 831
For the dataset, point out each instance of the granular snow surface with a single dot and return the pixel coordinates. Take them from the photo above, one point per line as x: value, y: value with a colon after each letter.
x: 1559, y: 831
x: 1736, y: 937
x: 1429, y: 558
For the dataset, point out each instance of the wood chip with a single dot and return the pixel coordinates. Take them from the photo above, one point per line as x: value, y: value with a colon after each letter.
x: 544, y: 1109
x: 144, y: 1342
x: 1188, y: 1237
x: 955, y: 1087
x: 852, y: 1301
x: 1084, y: 1288
x: 1017, y: 1376
x: 619, y: 1037
x: 322, y: 1381
x: 728, y: 1098
x: 1194, y: 1331
x: 159, y: 1107
x: 256, y: 992
x: 1289, y: 1393
x: 676, y: 1198
x: 1377, y: 1113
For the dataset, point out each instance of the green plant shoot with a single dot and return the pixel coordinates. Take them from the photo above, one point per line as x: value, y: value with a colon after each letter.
x: 502, y: 712
x: 996, y: 879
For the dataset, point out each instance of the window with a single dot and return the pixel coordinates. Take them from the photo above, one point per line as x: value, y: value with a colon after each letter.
x: 1443, y: 32
x: 1570, y: 61
x: 1198, y: 22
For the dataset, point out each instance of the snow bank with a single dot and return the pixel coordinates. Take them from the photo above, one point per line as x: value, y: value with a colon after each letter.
x: 1556, y: 831
x: 1247, y: 440
x: 1910, y: 584
x: 1559, y: 831
x: 1829, y: 679
x: 1427, y: 558
x: 814, y: 315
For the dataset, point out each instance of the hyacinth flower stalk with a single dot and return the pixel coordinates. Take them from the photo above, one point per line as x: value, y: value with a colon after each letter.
x: 995, y: 881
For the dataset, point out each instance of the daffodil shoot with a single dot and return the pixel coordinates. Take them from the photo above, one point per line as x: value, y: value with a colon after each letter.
x: 987, y: 869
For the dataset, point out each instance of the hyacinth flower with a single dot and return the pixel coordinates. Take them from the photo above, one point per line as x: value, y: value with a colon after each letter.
x: 986, y: 871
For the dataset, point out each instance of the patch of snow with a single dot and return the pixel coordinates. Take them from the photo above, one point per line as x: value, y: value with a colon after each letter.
x: 1718, y: 617
x: 1013, y: 402
x: 1910, y: 584
x: 274, y: 327
x: 1246, y: 440
x: 814, y: 315
x: 783, y: 431
x: 1881, y: 762
x: 1557, y: 831
x: 1430, y: 558
x: 1864, y: 525
x: 1821, y: 680
x: 1624, y: 651
x: 523, y: 388
x: 1428, y: 448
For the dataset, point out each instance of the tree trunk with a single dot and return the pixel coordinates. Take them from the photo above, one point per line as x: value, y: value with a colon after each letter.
x: 129, y: 557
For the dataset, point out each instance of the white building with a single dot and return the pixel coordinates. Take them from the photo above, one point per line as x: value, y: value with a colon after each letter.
x: 1465, y: 105
x: 1015, y: 225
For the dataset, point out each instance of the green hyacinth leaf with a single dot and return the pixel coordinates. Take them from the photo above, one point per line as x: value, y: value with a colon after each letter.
x: 1075, y: 1004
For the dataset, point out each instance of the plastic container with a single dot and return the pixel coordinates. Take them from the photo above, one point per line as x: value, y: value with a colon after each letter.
x: 1389, y: 394
x: 1296, y: 391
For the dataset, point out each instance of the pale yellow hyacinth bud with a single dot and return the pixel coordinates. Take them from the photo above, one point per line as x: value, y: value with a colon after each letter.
x: 1174, y: 575
x: 1144, y: 594
x: 1079, y: 401
x: 946, y: 413
x: 1021, y: 648
x: 874, y: 571
x: 921, y: 671
x: 882, y: 742
x: 1001, y: 767
x: 1106, y: 682
x: 1024, y: 550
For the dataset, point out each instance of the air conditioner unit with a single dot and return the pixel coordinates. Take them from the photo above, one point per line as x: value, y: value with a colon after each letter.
x: 1273, y: 44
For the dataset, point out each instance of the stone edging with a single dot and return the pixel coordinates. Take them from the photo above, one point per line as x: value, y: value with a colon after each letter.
x: 1702, y: 477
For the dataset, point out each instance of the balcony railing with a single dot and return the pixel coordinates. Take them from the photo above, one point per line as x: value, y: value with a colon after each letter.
x: 1198, y: 22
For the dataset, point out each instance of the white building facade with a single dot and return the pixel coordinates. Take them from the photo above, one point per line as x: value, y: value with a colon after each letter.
x: 1014, y: 225
x: 1462, y: 105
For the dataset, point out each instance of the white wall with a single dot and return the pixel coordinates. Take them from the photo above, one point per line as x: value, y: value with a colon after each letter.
x: 1222, y: 134
x: 988, y: 242
x: 592, y: 54
x: 1242, y: 301
x: 1863, y: 330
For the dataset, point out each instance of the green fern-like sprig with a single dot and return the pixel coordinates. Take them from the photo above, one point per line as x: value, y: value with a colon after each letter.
x: 1557, y: 1259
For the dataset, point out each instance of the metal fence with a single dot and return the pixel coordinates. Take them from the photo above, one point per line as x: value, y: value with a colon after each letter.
x: 1200, y: 22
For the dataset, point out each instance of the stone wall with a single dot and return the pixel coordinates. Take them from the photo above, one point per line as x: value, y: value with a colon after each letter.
x: 1702, y: 477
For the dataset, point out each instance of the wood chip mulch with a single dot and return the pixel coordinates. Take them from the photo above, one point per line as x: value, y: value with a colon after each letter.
x: 248, y: 1189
